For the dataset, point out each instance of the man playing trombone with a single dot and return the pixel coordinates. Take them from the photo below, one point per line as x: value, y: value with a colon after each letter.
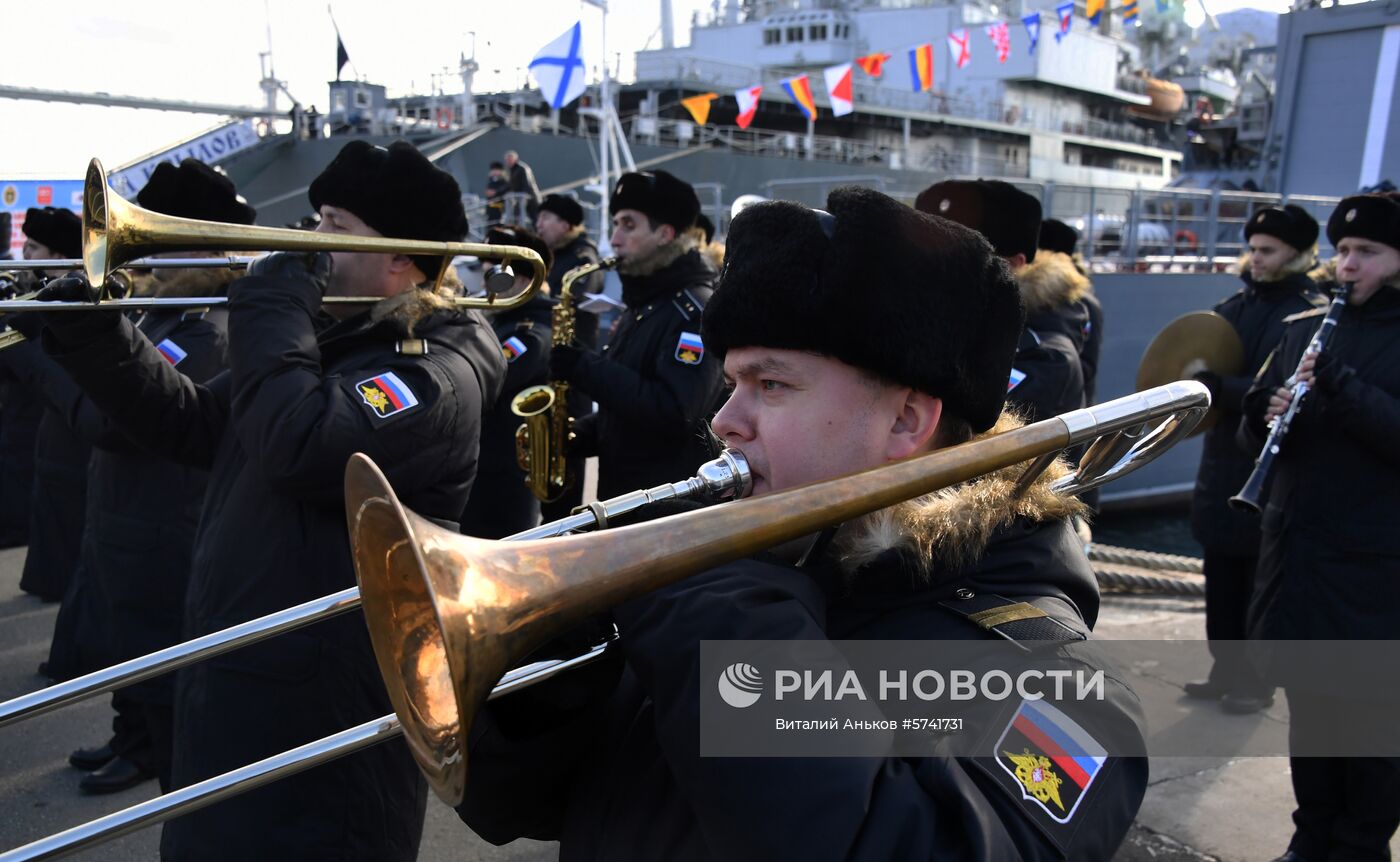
x: 404, y: 380
x: 142, y: 510
x: 834, y: 367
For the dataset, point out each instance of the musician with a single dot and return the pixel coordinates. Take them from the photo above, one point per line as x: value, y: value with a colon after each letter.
x: 1047, y: 378
x: 1056, y: 237
x: 654, y: 383
x: 403, y: 381
x: 1282, y: 247
x: 142, y: 510
x: 1328, y: 556
x: 500, y: 503
x: 59, y: 488
x: 823, y: 386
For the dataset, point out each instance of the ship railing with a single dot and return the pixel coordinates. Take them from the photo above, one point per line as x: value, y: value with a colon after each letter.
x: 663, y: 131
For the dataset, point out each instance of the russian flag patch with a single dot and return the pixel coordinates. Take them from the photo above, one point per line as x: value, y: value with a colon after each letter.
x: 1052, y: 759
x: 386, y: 394
x: 690, y: 349
x: 1017, y: 375
x: 513, y: 348
x: 172, y: 352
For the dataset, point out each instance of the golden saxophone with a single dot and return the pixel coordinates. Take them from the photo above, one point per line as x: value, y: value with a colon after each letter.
x: 541, y: 441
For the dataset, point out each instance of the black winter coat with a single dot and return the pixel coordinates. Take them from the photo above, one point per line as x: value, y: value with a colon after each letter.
x: 276, y: 431
x: 142, y: 510
x: 655, y: 394
x: 57, y: 496
x: 1046, y: 377
x: 1330, y: 555
x: 20, y: 412
x: 1092, y: 345
x: 623, y: 779
x: 1257, y: 312
x: 500, y: 504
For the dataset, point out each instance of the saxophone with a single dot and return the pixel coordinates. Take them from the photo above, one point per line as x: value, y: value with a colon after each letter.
x: 542, y: 439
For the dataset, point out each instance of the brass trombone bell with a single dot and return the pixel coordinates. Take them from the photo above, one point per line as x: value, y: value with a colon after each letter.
x: 117, y: 232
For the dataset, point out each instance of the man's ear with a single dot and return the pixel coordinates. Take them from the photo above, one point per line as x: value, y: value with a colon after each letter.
x: 914, y: 425
x: 668, y: 233
x: 402, y: 264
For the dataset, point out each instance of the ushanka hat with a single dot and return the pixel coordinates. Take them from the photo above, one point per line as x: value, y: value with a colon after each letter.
x: 1055, y: 235
x: 940, y: 312
x: 1290, y: 224
x: 59, y: 229
x: 194, y: 190
x: 658, y: 195
x: 396, y: 191
x: 1008, y: 217
x: 565, y: 207
x: 1375, y: 217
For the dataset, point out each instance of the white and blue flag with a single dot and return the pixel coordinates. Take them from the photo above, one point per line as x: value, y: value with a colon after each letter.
x: 559, y: 68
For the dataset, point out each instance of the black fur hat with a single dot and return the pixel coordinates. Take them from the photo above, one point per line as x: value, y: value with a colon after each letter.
x: 1008, y: 217
x: 706, y: 226
x: 1291, y: 224
x: 59, y: 229
x: 1055, y: 235
x: 565, y: 207
x: 194, y: 190
x: 1374, y: 217
x: 508, y: 235
x: 396, y: 191
x: 659, y: 195
x: 917, y: 299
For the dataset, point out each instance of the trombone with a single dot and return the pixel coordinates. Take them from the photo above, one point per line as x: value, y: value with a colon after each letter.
x: 117, y: 232
x: 726, y: 477
x: 448, y: 614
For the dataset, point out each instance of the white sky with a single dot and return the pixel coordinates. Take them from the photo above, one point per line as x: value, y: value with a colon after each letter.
x: 188, y: 49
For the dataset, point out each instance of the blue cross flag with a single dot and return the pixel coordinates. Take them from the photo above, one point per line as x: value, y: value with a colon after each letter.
x: 559, y: 69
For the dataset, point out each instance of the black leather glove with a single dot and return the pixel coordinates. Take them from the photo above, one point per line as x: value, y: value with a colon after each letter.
x: 74, y: 328
x: 1331, y: 375
x: 1212, y: 382
x: 313, y: 267
x: 563, y: 361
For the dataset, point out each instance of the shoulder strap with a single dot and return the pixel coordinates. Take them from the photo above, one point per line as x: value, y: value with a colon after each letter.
x: 1304, y: 315
x: 1015, y: 621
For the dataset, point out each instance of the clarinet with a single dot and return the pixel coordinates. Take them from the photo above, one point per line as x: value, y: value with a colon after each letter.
x: 1247, y: 500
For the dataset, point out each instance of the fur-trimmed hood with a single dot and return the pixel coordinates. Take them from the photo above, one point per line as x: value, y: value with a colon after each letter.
x: 1050, y: 280
x: 182, y: 283
x: 949, y: 530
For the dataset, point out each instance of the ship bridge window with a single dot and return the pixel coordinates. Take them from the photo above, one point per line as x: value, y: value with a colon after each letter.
x: 772, y: 36
x: 794, y: 34
x: 361, y: 99
x: 817, y: 32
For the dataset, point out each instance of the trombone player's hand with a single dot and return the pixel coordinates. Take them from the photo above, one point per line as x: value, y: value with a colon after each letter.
x: 75, y: 328
x: 313, y: 267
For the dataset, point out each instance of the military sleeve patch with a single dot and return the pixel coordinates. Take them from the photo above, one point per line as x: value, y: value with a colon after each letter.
x: 386, y: 394
x: 172, y: 352
x: 513, y: 348
x: 1017, y: 375
x: 1051, y: 759
x: 689, y: 349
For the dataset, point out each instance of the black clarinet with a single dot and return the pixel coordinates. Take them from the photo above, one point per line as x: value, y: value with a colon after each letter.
x: 1247, y: 499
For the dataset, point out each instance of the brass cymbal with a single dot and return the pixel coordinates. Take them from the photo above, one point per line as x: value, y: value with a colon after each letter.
x: 1199, y: 341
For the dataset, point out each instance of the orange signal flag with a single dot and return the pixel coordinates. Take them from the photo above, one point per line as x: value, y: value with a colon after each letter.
x: 873, y: 64
x: 699, y: 106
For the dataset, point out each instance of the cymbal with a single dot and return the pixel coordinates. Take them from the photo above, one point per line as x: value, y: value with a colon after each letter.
x: 1199, y: 341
